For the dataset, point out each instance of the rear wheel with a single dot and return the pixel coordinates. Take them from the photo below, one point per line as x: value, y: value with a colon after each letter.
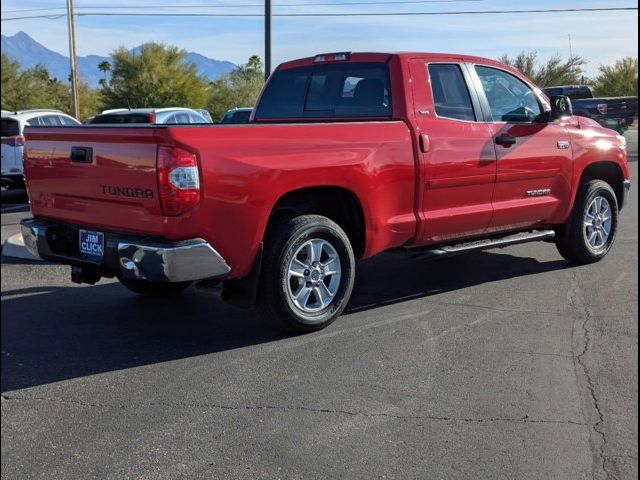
x: 590, y: 232
x: 308, y: 272
x: 154, y: 289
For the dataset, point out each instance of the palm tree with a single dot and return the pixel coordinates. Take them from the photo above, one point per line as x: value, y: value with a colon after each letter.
x: 104, y: 67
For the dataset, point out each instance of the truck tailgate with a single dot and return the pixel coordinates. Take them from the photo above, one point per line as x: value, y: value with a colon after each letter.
x: 109, y: 183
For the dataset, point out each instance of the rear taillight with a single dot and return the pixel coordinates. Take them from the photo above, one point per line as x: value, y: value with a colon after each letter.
x: 178, y: 180
x: 19, y: 141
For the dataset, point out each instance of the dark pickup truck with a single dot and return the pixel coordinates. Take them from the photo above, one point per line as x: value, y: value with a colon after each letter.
x: 617, y: 113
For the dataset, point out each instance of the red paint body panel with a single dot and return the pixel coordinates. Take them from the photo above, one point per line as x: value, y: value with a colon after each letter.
x: 246, y: 169
x: 453, y: 183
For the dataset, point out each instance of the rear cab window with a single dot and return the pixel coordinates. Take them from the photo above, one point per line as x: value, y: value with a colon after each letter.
x: 340, y: 90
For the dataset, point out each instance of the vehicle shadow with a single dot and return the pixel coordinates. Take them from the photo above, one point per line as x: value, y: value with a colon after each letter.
x: 59, y: 333
x: 393, y: 278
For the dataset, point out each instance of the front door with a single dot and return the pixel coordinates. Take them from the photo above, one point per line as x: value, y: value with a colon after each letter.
x: 534, y: 157
x: 457, y: 158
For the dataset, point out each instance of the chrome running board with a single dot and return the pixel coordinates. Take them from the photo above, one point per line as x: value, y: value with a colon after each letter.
x: 460, y: 248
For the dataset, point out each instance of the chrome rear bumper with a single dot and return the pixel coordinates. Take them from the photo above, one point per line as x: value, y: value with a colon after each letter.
x: 193, y: 260
x: 130, y: 256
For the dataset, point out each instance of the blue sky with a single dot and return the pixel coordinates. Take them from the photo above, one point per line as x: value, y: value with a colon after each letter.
x: 601, y: 37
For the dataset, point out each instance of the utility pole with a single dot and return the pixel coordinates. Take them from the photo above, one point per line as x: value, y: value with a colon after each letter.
x: 570, y: 47
x: 75, y: 105
x: 267, y: 38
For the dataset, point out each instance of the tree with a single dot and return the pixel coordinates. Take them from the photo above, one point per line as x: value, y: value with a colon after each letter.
x: 10, y: 72
x: 555, y: 71
x: 104, y: 67
x: 91, y: 101
x: 621, y: 79
x: 34, y: 88
x: 156, y: 75
x: 239, y: 88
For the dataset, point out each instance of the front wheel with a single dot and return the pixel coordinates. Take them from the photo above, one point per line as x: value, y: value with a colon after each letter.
x: 308, y: 272
x: 589, y: 233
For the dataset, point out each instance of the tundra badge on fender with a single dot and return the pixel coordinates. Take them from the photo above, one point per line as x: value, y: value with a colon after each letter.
x: 538, y: 193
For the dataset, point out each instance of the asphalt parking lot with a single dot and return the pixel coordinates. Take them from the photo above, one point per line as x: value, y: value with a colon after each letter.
x: 504, y: 364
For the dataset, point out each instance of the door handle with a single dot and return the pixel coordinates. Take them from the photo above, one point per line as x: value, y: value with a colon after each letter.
x: 506, y: 140
x: 81, y: 154
x: 425, y: 143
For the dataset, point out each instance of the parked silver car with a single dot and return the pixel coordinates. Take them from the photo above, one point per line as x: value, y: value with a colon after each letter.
x: 13, y: 124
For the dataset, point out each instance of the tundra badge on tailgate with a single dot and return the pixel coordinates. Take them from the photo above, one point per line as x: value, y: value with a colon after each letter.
x: 130, y: 192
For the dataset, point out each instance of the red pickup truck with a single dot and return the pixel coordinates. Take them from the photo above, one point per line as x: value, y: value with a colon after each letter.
x: 347, y: 155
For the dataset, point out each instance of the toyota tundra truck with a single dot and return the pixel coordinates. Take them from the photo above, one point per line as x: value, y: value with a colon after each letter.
x: 346, y: 155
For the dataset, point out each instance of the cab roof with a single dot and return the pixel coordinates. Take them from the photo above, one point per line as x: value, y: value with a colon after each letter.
x: 387, y: 56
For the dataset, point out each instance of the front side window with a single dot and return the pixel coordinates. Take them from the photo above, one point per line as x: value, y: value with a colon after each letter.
x: 510, y: 99
x: 450, y: 93
x: 339, y: 90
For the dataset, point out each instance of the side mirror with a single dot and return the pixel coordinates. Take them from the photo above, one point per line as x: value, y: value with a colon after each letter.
x: 560, y: 107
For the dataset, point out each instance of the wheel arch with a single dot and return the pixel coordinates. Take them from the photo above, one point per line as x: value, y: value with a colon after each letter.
x: 339, y: 204
x: 607, y: 171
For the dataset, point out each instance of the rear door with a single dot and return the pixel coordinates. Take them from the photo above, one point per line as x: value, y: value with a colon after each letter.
x: 458, y: 161
x: 535, y: 162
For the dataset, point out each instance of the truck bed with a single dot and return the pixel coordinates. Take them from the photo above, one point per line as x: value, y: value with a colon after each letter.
x: 244, y: 170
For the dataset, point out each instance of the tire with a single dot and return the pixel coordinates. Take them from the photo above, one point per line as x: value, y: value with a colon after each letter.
x: 573, y: 238
x: 292, y: 245
x: 154, y: 289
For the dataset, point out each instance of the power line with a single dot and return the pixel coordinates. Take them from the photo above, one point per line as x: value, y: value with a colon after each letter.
x: 361, y: 14
x: 248, y: 5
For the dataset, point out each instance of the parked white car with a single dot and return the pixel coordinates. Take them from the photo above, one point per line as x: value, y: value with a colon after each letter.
x: 13, y: 124
x: 170, y: 115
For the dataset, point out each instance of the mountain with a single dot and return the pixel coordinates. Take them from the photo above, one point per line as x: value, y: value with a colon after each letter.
x: 29, y: 53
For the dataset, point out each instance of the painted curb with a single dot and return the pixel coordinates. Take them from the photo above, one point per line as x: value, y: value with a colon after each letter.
x: 13, y: 247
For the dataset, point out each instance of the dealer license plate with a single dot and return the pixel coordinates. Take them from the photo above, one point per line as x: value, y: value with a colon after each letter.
x: 91, y: 243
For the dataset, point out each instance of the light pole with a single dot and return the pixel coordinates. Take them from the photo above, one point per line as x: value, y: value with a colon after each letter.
x: 72, y: 60
x: 267, y: 38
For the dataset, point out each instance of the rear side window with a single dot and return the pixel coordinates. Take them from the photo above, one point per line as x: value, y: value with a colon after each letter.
x: 450, y: 93
x: 50, y: 121
x: 67, y: 121
x: 10, y: 127
x: 178, y: 118
x: 327, y: 91
x: 193, y: 118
